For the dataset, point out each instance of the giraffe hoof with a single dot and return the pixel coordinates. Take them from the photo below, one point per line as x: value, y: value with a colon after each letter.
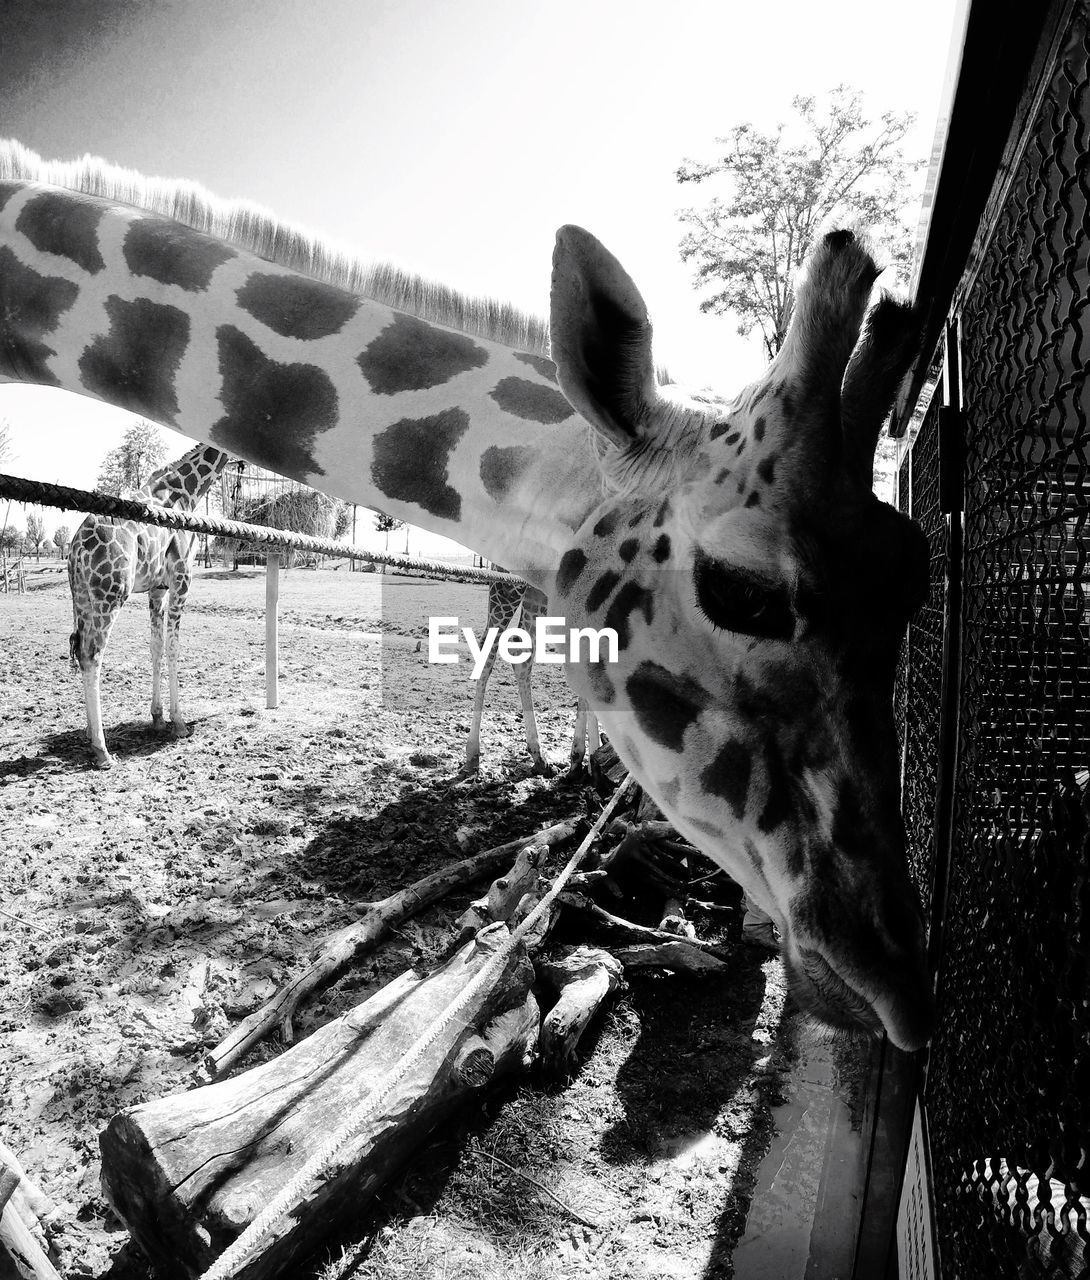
x: 158, y: 724
x: 543, y: 769
x: 179, y: 729
x: 103, y: 760
x: 470, y: 769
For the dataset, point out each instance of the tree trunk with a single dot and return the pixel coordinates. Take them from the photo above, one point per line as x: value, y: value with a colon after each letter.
x: 189, y: 1173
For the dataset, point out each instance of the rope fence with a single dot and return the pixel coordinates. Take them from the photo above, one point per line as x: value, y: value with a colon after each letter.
x: 19, y: 489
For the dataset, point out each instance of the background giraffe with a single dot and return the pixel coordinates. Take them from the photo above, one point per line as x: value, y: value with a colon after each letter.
x: 505, y: 600
x: 109, y: 559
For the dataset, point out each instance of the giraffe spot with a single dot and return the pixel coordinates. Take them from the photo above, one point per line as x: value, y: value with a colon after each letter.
x: 761, y: 393
x: 296, y: 307
x: 541, y: 364
x: 572, y: 564
x: 740, y: 446
x: 661, y: 549
x: 733, y: 438
x: 708, y: 828
x: 670, y: 792
x: 759, y: 430
x: 607, y: 524
x: 661, y: 514
x: 66, y: 224
x: 172, y: 254
x: 531, y: 401
x: 777, y: 806
x: 628, y: 549
x: 754, y: 499
x: 723, y: 475
x: 728, y: 776
x: 9, y: 189
x: 719, y: 429
x: 411, y: 458
x: 600, y: 683
x: 601, y: 590
x: 636, y: 519
x: 412, y: 355
x: 766, y: 468
x: 501, y: 467
x: 665, y: 704
x: 133, y: 365
x: 273, y: 411
x: 755, y: 860
x: 30, y: 307
x: 618, y: 616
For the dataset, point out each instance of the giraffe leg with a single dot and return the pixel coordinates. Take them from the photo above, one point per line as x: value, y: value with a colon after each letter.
x: 178, y: 592
x: 473, y: 743
x: 157, y: 606
x: 88, y: 646
x: 594, y: 741
x: 523, y: 672
x: 578, y: 739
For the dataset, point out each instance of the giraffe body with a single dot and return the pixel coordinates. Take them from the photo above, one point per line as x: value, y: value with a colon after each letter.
x: 506, y: 601
x: 109, y: 560
x: 758, y: 588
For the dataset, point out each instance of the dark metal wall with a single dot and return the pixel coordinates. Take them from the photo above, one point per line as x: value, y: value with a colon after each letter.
x: 1007, y: 1090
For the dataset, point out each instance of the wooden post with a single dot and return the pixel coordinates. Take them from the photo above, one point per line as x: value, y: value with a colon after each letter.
x: 272, y: 656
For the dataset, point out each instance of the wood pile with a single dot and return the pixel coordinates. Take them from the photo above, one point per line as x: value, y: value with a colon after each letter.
x: 191, y: 1173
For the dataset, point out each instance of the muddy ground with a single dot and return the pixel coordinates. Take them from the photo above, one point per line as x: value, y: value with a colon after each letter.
x: 147, y: 909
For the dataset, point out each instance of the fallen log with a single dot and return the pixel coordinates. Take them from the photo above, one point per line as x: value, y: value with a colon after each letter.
x: 618, y: 927
x: 584, y: 977
x: 674, y: 921
x: 21, y: 1254
x: 24, y: 1246
x: 679, y: 956
x: 505, y: 894
x: 189, y: 1173
x: 347, y: 946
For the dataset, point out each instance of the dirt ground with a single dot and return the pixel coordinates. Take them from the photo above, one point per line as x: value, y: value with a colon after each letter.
x: 147, y: 909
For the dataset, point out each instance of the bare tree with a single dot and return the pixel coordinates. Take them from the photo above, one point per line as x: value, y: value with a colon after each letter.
x: 782, y: 189
x: 35, y: 532
x: 62, y: 536
x: 141, y: 450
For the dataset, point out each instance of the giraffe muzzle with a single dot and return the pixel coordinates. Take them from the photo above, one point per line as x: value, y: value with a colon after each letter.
x: 899, y: 1006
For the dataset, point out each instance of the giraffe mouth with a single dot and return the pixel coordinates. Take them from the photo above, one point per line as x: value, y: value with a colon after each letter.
x: 830, y: 997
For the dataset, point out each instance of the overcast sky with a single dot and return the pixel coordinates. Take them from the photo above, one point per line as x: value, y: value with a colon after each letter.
x: 450, y: 136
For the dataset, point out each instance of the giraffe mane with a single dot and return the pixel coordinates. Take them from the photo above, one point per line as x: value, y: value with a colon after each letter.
x: 251, y: 227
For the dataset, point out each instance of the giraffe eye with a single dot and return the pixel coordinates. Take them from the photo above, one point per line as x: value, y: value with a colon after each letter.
x: 733, y: 601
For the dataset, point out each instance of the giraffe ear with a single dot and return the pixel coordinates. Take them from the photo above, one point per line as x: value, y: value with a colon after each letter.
x: 601, y: 338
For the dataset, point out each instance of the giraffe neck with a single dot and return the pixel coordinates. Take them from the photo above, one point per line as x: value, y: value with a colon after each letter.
x: 456, y: 432
x: 183, y: 483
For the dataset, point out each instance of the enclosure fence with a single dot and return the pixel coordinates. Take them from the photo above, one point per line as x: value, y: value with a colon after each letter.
x: 993, y: 705
x: 20, y: 489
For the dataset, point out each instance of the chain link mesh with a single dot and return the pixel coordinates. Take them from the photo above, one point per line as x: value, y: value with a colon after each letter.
x: 920, y: 684
x: 1008, y: 1084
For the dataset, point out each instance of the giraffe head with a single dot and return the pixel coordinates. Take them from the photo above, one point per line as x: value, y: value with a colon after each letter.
x: 184, y: 482
x: 759, y: 592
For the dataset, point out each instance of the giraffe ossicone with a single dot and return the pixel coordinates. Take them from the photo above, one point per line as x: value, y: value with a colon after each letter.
x: 110, y: 559
x: 758, y: 589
